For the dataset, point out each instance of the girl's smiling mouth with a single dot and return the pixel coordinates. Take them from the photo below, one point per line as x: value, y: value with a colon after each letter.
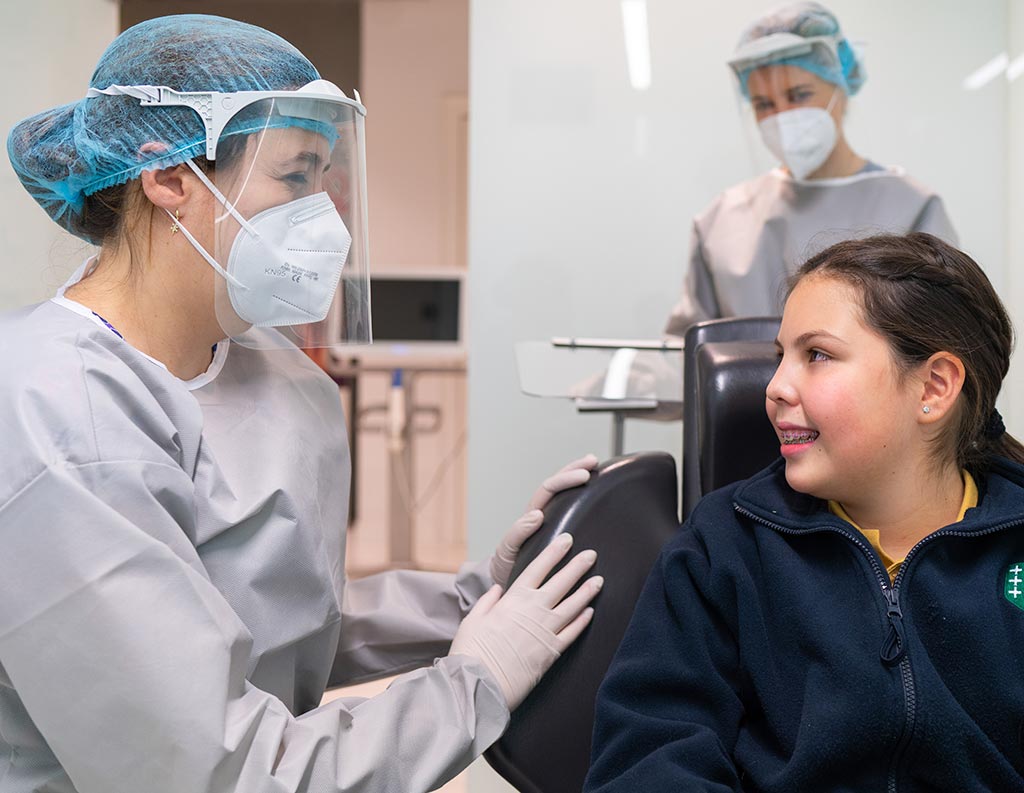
x: 791, y: 437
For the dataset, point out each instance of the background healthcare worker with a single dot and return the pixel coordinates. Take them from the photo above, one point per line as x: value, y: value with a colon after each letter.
x: 175, y: 470
x: 797, y: 71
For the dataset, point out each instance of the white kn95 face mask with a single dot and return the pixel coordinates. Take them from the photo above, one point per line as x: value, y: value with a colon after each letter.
x: 285, y: 262
x: 802, y: 139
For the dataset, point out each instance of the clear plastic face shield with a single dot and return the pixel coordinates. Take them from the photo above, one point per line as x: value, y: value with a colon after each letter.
x: 288, y: 234
x: 792, y: 115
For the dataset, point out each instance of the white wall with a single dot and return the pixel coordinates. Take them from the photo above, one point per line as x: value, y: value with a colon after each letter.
x: 581, y: 188
x: 914, y: 111
x: 50, y: 48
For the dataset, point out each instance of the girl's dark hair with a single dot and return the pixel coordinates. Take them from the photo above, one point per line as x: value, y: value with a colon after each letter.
x: 925, y: 296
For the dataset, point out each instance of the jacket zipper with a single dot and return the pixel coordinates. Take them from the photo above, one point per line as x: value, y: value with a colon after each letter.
x: 894, y: 651
x: 894, y: 648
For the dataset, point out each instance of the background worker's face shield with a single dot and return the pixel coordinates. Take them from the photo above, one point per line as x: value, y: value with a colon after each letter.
x: 792, y: 114
x: 288, y: 235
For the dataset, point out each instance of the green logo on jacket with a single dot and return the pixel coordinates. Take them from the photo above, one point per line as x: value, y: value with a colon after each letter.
x: 1012, y: 588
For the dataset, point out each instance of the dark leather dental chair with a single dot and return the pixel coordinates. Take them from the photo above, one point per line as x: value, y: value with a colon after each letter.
x: 626, y: 512
x: 727, y: 364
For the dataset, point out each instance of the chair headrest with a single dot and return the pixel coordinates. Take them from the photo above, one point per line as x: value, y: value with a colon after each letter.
x: 735, y: 437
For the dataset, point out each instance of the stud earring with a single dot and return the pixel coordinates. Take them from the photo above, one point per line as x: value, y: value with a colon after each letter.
x: 174, y: 225
x: 926, y: 409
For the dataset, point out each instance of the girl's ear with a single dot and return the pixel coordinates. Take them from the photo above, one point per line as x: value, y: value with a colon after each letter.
x: 942, y: 377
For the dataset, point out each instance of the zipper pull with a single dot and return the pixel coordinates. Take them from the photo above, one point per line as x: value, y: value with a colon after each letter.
x: 894, y: 647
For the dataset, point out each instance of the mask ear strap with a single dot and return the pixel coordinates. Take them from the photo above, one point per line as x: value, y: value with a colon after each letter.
x: 255, y: 158
x: 832, y: 99
x: 221, y: 197
x: 203, y: 252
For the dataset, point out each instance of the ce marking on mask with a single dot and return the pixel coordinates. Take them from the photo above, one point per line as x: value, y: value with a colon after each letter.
x: 292, y: 273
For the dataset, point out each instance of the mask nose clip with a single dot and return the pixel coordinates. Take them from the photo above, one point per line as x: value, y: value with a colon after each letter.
x: 322, y: 208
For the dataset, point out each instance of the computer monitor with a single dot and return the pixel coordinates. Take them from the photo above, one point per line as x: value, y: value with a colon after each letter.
x: 418, y: 312
x: 416, y: 309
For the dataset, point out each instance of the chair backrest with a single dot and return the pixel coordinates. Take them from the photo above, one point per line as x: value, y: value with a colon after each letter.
x: 727, y: 364
x: 626, y: 512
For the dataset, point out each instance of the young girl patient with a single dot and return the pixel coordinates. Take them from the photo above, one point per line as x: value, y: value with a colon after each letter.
x: 852, y: 617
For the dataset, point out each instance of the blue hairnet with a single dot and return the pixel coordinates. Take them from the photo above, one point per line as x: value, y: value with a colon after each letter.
x: 65, y: 154
x: 807, y: 20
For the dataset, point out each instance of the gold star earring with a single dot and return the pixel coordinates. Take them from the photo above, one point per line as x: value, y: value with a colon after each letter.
x: 174, y: 225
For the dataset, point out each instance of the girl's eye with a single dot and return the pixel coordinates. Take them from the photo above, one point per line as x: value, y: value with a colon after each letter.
x: 817, y: 356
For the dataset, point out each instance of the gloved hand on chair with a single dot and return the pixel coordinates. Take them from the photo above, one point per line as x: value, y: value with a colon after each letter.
x: 572, y: 475
x: 520, y: 634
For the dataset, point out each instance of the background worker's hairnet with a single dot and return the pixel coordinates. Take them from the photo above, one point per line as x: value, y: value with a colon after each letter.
x: 808, y: 20
x: 65, y: 154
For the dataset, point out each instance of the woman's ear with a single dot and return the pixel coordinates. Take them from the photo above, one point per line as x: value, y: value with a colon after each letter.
x: 942, y: 377
x: 166, y: 188
x: 162, y: 187
x: 171, y: 188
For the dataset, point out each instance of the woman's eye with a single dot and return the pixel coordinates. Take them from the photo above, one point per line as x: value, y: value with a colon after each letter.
x: 299, y: 179
x: 816, y: 356
x: 799, y: 97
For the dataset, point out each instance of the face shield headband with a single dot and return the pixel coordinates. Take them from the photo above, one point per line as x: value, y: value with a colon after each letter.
x: 217, y: 109
x: 819, y: 55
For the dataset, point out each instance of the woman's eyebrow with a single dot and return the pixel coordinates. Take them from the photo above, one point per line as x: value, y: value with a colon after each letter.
x: 310, y: 157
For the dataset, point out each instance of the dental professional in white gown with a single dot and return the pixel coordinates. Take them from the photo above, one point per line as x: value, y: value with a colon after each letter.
x: 176, y: 474
x: 796, y: 69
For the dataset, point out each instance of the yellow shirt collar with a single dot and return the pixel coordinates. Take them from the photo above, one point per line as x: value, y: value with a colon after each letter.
x: 892, y: 566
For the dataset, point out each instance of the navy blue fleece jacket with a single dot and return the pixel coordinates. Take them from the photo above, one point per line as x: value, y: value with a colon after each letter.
x: 768, y: 652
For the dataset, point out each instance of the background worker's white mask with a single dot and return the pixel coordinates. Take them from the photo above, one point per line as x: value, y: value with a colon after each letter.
x: 285, y: 262
x: 802, y: 139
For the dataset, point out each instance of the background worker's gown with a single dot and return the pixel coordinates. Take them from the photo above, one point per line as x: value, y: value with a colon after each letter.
x: 172, y: 584
x: 753, y: 236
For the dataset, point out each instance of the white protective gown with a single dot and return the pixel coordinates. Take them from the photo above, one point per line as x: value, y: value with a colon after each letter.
x: 753, y: 236
x: 172, y: 568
